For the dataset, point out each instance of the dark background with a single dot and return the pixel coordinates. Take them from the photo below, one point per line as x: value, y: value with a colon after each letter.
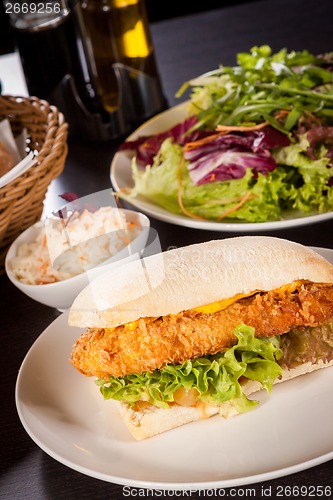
x: 156, y: 10
x: 6, y: 38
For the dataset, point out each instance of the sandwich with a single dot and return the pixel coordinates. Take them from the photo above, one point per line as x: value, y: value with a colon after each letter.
x: 195, y: 331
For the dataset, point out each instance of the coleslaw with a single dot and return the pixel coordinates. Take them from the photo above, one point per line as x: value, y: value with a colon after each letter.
x: 64, y: 248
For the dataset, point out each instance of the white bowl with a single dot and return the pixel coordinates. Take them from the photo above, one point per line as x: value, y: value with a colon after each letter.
x: 61, y: 294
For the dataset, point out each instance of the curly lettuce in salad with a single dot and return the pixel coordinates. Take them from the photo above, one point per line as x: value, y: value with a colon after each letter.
x: 256, y: 142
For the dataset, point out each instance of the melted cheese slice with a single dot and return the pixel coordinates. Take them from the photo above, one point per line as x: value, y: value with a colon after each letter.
x: 223, y: 304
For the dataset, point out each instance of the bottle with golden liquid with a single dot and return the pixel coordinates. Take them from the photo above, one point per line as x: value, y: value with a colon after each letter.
x: 51, y: 40
x: 122, y: 57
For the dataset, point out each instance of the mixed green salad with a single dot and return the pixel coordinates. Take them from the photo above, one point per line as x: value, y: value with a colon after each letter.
x: 255, y: 145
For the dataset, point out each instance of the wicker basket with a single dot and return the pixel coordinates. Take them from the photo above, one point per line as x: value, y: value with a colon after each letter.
x: 21, y: 201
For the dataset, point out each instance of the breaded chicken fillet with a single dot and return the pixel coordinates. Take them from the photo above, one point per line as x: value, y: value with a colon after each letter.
x: 150, y: 343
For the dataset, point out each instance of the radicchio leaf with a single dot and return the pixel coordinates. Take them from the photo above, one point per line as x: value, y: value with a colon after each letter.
x: 66, y: 213
x: 320, y: 135
x: 147, y: 147
x: 228, y: 156
x: 68, y: 196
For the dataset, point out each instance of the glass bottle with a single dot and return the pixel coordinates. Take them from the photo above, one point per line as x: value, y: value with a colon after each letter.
x: 122, y: 52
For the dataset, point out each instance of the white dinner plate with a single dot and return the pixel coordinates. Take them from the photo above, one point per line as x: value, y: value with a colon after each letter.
x: 121, y: 177
x: 64, y: 413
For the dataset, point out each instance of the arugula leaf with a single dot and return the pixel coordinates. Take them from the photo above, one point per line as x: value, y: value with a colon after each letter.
x: 262, y: 83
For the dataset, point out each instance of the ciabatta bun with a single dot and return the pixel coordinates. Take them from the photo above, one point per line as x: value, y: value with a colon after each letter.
x: 192, y: 276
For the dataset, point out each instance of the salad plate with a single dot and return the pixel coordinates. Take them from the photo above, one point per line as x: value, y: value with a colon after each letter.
x: 65, y: 415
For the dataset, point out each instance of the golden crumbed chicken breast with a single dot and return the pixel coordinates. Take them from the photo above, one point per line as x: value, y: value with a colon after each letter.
x: 150, y: 343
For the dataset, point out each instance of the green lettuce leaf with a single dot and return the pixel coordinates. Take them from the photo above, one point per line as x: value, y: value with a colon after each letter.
x: 216, y: 377
x: 159, y: 184
x: 313, y: 191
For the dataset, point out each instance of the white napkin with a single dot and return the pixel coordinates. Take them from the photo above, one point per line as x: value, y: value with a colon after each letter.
x: 16, y: 148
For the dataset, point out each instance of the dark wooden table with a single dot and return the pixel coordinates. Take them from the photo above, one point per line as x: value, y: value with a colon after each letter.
x: 185, y: 47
